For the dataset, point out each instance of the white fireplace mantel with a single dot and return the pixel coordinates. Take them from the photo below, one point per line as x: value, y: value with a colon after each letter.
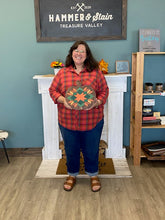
x: 113, y: 117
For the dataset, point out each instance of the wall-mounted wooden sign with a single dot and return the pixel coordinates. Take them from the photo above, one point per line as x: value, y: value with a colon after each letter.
x: 74, y: 20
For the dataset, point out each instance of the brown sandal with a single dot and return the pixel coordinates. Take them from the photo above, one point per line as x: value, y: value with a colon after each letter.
x: 70, y: 181
x: 95, y: 182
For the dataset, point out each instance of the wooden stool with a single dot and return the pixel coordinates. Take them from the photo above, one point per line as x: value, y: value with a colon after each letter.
x: 3, y: 136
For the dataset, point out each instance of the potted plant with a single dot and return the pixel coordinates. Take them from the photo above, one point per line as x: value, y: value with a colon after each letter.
x: 56, y: 65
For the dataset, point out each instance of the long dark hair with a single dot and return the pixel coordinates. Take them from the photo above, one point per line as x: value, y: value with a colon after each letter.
x: 90, y: 62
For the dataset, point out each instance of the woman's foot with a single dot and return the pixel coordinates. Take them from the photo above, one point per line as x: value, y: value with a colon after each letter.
x: 95, y: 184
x: 69, y: 183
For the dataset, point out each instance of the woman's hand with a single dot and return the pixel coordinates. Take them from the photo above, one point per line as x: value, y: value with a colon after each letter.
x: 96, y: 104
x: 61, y: 99
x: 66, y: 104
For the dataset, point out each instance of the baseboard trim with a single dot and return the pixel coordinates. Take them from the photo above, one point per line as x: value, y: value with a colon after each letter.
x: 23, y: 152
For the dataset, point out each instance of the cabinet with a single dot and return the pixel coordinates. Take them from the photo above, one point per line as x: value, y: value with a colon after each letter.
x: 137, y: 104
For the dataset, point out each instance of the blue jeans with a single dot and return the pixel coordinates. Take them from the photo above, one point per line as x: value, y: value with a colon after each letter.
x: 88, y: 142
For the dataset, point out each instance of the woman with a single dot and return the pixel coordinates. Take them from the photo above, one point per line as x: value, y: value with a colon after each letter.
x: 80, y: 129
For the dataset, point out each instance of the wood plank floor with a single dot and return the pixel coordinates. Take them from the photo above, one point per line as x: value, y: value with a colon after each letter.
x: 24, y: 197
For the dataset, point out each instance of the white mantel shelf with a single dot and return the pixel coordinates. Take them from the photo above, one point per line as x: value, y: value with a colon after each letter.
x: 113, y: 117
x: 106, y: 75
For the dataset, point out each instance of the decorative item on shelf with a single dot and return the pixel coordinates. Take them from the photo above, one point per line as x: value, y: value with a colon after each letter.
x: 147, y: 111
x: 56, y: 65
x: 148, y: 102
x: 159, y: 87
x: 154, y: 148
x: 157, y: 115
x: 80, y: 97
x: 162, y: 94
x: 162, y: 118
x: 103, y: 66
x: 149, y: 40
x: 147, y: 117
x: 151, y: 121
x: 148, y: 87
x: 122, y: 66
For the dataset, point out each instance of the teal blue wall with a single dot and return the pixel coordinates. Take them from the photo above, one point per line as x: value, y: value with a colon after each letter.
x: 21, y: 57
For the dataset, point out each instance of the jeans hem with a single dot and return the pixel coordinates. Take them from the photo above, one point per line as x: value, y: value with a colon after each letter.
x: 91, y: 174
x: 73, y: 174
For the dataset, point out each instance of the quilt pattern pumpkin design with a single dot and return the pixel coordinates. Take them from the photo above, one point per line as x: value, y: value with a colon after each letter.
x: 80, y: 97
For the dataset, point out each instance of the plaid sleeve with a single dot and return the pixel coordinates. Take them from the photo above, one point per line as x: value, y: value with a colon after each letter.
x: 54, y: 89
x: 103, y: 90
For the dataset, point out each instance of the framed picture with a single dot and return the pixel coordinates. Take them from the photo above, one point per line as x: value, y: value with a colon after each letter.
x: 122, y: 66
